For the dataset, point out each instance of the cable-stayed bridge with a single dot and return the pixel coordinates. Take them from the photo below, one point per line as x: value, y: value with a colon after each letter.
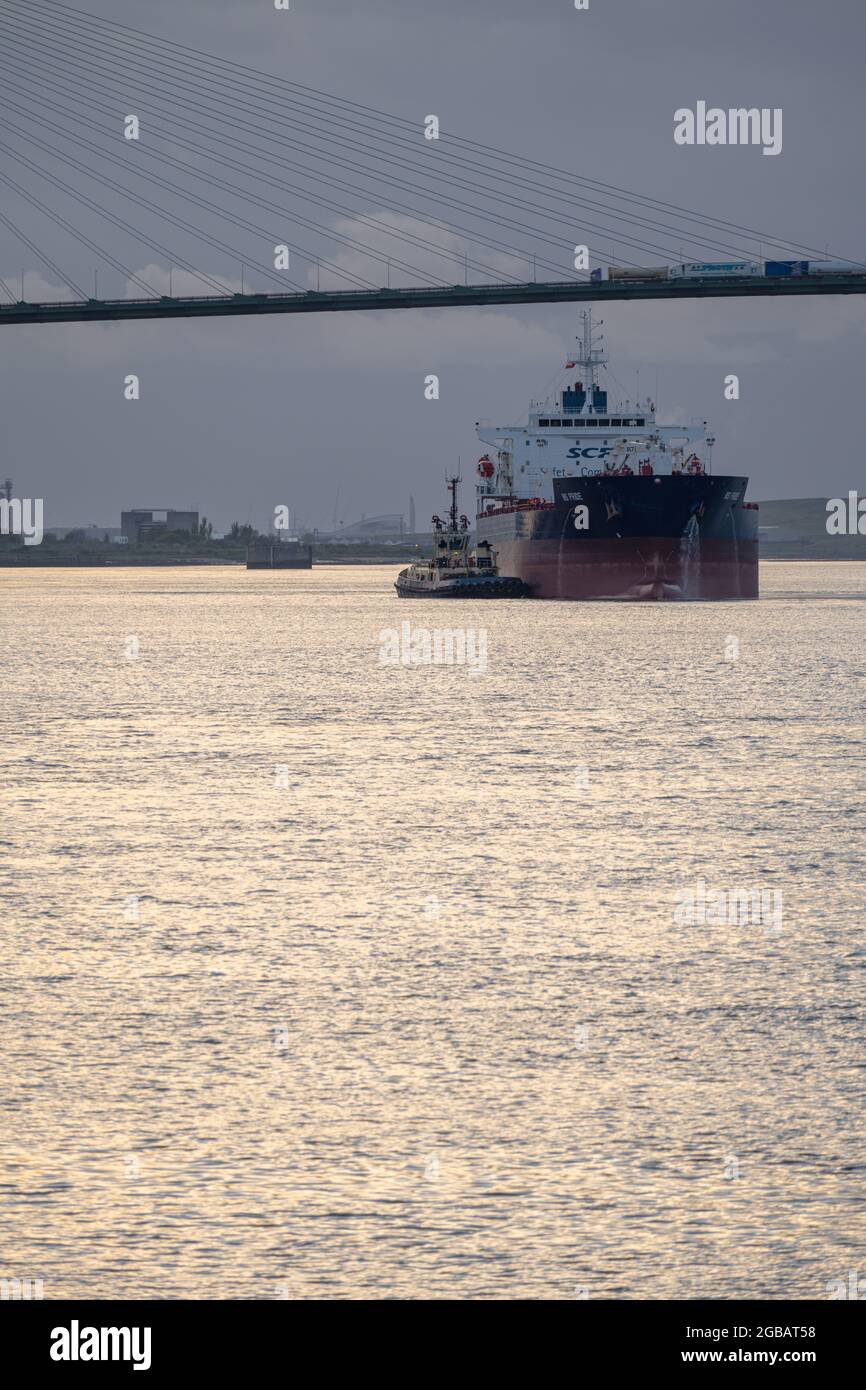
x: 204, y: 188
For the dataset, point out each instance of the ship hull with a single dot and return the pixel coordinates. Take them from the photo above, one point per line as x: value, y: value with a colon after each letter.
x: 494, y: 587
x: 674, y: 538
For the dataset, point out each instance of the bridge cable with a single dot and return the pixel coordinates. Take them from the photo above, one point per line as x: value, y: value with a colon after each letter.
x: 244, y: 169
x: 209, y: 154
x: 153, y: 207
x: 67, y: 226
x: 472, y: 210
x: 473, y: 186
x: 87, y: 21
x: 311, y: 257
x: 119, y: 221
x: 70, y: 284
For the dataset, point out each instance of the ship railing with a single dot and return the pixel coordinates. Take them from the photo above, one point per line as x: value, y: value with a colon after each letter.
x: 535, y: 504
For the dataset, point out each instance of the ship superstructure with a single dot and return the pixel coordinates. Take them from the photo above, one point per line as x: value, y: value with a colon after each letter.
x: 591, y: 500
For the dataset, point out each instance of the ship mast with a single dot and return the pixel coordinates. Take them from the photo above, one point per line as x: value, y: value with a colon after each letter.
x: 589, y: 359
x: 452, y: 511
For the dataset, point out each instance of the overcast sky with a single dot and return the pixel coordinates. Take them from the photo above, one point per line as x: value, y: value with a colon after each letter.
x: 239, y: 415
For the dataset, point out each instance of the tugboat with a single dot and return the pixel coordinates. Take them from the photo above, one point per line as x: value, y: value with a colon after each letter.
x: 453, y: 571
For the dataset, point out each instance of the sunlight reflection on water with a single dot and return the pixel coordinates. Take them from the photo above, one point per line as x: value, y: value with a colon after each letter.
x: 329, y: 978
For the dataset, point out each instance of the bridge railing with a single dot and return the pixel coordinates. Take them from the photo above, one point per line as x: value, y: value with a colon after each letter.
x: 534, y: 292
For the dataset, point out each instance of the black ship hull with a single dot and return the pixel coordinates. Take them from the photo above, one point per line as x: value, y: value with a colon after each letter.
x: 496, y: 586
x: 674, y: 537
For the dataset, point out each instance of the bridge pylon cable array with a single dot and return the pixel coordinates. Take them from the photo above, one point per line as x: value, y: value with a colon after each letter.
x: 373, y: 197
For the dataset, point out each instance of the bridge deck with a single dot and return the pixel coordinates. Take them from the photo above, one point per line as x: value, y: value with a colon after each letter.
x: 448, y: 296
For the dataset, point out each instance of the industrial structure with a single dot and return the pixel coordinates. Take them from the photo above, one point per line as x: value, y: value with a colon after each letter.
x: 390, y: 526
x: 143, y: 523
x: 265, y: 553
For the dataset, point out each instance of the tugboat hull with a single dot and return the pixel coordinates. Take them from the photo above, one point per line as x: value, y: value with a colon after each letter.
x: 494, y: 586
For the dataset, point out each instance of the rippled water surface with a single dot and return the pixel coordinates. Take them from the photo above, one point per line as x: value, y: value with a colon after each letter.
x: 334, y: 978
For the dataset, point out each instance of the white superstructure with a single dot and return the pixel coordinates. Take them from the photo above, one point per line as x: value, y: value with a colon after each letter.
x: 575, y: 433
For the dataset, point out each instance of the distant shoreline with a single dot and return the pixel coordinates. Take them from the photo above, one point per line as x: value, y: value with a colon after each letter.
x: 89, y: 562
x: 31, y: 559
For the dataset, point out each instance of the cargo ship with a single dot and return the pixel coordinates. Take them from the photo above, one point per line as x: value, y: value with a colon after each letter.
x: 593, y: 501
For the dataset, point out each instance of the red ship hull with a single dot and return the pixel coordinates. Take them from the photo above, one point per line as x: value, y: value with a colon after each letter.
x: 647, y: 567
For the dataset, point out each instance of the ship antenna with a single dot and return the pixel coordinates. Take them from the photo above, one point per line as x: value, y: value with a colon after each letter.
x: 452, y: 488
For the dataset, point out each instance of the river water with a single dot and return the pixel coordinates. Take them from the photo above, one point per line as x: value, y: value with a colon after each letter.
x: 329, y: 973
